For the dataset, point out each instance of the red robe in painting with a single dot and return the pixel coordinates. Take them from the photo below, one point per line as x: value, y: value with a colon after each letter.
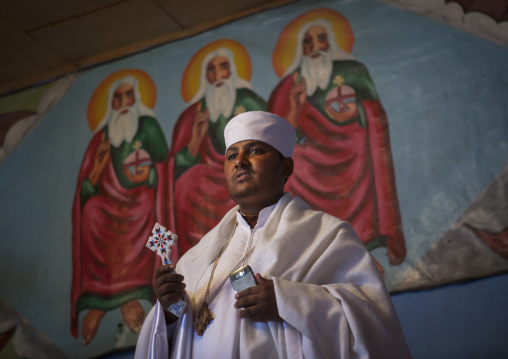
x: 111, y: 264
x: 200, y: 197
x: 347, y: 170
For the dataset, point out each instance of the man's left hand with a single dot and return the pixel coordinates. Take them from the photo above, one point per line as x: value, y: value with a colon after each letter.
x: 259, y: 303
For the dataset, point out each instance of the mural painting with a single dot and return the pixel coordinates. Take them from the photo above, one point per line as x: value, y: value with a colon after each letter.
x: 125, y: 150
x: 120, y: 194
x: 216, y: 86
x: 343, y: 163
x: 332, y: 102
x: 20, y: 113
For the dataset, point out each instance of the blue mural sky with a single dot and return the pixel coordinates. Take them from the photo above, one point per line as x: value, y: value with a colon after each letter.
x: 444, y: 92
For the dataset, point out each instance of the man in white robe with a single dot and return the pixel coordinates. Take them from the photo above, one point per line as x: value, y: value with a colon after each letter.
x: 319, y: 293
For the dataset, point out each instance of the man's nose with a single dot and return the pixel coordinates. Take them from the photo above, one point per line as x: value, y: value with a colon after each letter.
x: 242, y: 160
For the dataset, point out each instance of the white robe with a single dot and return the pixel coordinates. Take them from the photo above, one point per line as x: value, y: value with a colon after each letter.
x: 329, y: 291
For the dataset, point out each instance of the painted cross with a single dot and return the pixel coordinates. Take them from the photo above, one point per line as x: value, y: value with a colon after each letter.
x: 340, y: 96
x: 136, y: 160
x: 137, y: 145
x: 160, y: 242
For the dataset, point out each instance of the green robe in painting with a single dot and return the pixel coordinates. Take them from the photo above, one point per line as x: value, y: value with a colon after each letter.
x: 112, y: 221
x: 345, y: 168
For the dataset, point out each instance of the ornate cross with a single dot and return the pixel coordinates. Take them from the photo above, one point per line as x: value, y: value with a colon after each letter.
x: 160, y: 242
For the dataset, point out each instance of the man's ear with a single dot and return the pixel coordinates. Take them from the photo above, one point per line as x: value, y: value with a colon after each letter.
x: 287, y: 169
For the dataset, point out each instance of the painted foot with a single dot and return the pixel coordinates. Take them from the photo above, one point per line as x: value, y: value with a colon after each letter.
x: 90, y: 325
x: 379, y: 267
x: 396, y: 250
x: 133, y: 314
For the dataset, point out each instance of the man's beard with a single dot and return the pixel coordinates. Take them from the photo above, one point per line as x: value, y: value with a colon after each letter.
x: 123, y: 127
x: 317, y: 71
x: 220, y: 100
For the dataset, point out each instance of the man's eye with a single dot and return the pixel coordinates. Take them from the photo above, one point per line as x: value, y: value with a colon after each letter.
x: 230, y: 157
x: 256, y: 151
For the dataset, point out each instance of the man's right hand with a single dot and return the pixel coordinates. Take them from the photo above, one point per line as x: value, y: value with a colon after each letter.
x: 169, y: 288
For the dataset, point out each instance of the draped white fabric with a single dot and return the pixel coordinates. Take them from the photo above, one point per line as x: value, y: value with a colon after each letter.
x: 328, y: 289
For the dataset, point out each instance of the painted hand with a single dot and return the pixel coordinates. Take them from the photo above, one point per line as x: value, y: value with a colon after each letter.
x: 297, y: 94
x: 297, y: 99
x: 101, y: 158
x: 199, y: 129
x: 351, y: 111
x: 142, y: 174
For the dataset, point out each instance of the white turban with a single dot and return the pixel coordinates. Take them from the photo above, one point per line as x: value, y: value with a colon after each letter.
x: 261, y: 126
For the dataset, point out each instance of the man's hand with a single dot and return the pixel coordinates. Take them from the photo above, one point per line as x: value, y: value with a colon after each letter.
x: 169, y: 288
x: 259, y: 302
x: 199, y: 129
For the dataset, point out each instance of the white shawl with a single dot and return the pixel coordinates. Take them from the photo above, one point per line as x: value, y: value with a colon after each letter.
x: 329, y: 292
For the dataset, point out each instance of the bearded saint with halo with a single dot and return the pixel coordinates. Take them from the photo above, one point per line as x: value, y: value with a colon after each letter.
x: 121, y: 192
x: 343, y: 162
x: 199, y: 196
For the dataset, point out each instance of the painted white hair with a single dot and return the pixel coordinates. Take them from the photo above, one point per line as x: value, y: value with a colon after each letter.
x: 237, y: 81
x: 124, y: 127
x: 141, y: 108
x: 335, y: 52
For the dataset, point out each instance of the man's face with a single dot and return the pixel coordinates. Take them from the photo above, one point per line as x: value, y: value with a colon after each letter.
x: 315, y: 39
x: 218, y: 69
x: 255, y: 174
x: 123, y: 97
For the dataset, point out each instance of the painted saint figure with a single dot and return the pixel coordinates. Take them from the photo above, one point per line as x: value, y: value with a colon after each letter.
x: 198, y: 147
x: 120, y: 194
x: 344, y: 163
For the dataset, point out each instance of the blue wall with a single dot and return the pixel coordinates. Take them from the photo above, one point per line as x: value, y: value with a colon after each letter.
x: 462, y: 321
x: 445, y: 94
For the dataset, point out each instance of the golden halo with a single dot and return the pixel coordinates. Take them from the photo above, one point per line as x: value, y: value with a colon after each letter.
x: 284, y: 52
x: 98, y: 102
x: 192, y: 74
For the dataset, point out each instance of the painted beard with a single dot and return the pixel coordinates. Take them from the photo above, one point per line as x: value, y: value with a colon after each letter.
x: 220, y: 100
x: 123, y: 127
x: 317, y: 71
